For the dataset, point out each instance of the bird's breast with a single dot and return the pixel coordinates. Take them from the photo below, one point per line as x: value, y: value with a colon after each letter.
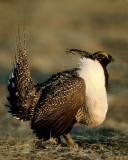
x: 94, y: 111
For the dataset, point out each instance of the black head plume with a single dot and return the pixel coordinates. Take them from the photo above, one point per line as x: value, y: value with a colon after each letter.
x: 83, y: 54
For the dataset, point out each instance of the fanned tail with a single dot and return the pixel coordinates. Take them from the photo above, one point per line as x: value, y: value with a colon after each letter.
x: 20, y: 86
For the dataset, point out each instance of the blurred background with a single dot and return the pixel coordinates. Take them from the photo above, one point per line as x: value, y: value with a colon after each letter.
x: 51, y: 27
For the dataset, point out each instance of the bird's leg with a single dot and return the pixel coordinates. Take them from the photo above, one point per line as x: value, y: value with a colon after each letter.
x: 56, y: 140
x: 69, y: 140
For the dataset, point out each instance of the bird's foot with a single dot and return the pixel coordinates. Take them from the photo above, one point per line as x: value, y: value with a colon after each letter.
x: 70, y: 140
x: 56, y: 140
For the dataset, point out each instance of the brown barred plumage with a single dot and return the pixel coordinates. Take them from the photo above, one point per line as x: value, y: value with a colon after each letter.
x: 57, y: 104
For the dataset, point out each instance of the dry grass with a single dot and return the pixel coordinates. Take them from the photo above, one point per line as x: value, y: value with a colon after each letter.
x: 51, y: 27
x: 90, y: 147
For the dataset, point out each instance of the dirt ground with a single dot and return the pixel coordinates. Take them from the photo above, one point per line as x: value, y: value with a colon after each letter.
x: 51, y: 27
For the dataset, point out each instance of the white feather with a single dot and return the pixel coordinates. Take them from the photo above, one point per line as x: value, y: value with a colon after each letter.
x: 14, y: 65
x: 93, y: 74
x: 8, y: 82
x: 13, y: 85
x: 12, y: 75
x: 16, y: 117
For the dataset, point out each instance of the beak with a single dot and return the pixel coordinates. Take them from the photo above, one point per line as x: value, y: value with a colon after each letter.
x: 112, y: 60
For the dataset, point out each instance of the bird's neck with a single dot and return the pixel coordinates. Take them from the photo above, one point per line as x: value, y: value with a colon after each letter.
x: 96, y: 98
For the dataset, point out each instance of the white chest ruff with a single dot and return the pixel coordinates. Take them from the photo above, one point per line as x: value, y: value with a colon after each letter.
x: 96, y: 98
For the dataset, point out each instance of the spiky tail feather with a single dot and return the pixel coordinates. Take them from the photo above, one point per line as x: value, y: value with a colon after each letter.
x: 20, y: 86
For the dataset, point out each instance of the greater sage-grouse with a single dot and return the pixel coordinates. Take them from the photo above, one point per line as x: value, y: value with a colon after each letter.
x: 72, y: 96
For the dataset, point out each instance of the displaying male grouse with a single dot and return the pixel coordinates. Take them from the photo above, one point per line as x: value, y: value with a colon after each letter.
x: 73, y: 96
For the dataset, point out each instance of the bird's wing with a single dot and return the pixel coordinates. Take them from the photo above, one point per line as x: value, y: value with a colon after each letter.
x: 57, y: 107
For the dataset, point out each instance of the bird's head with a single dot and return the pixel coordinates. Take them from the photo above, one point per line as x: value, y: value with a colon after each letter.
x: 103, y: 57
